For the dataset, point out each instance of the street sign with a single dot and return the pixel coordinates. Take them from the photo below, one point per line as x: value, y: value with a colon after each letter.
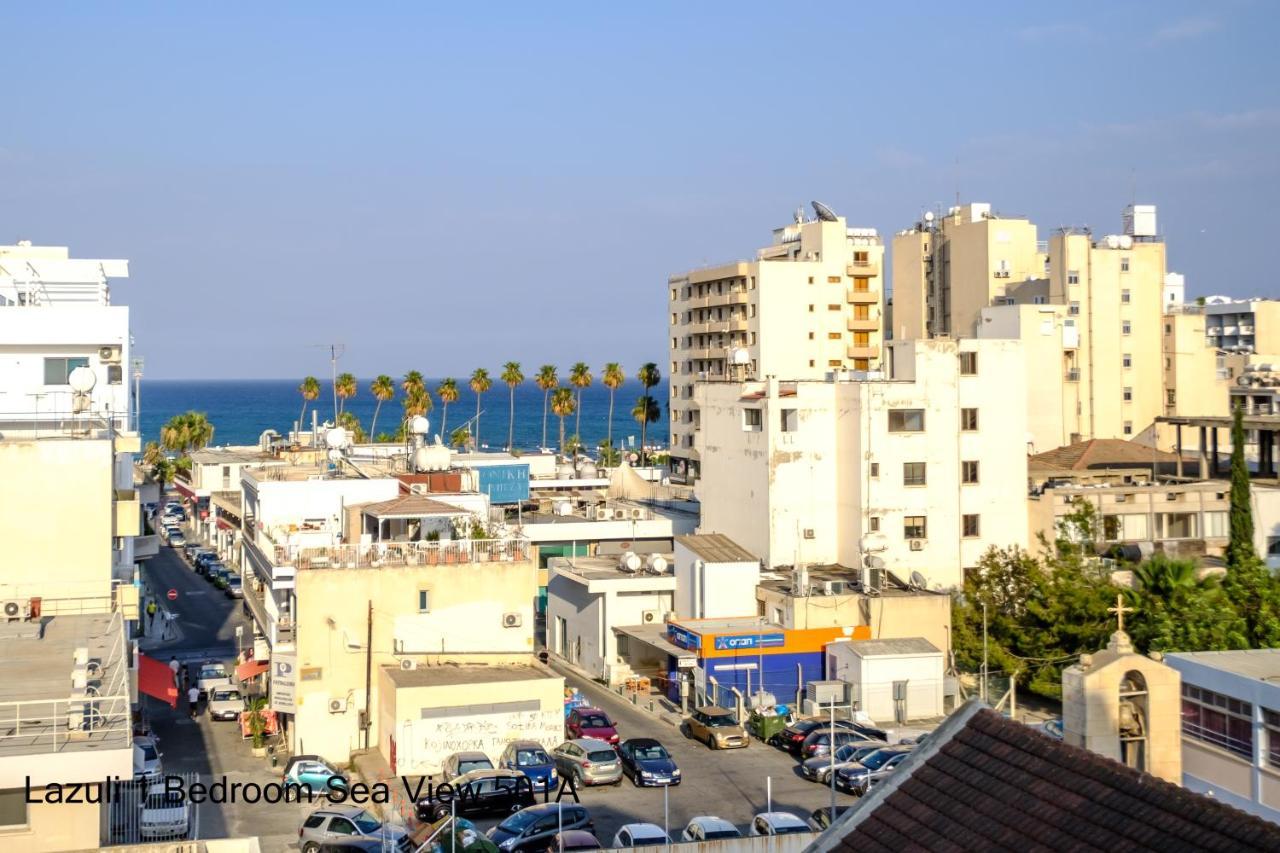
x: 173, y: 595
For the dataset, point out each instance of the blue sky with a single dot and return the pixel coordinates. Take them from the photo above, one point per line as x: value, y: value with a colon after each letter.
x: 445, y: 187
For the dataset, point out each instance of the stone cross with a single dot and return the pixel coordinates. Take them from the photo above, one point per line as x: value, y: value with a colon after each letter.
x: 1119, y: 610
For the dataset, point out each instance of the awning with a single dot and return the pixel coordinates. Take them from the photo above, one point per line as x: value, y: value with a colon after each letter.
x: 251, y: 669
x: 155, y: 678
x: 226, y: 525
x: 653, y: 635
x: 184, y: 490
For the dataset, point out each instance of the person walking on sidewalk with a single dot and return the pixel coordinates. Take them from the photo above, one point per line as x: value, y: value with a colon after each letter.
x: 151, y: 614
x: 193, y: 700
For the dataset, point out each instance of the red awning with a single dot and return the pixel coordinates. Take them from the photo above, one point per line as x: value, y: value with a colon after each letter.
x: 250, y: 669
x: 185, y: 491
x: 226, y: 525
x: 155, y: 678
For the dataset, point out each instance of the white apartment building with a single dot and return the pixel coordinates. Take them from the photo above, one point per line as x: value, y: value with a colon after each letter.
x: 810, y: 302
x: 1243, y: 325
x: 923, y: 466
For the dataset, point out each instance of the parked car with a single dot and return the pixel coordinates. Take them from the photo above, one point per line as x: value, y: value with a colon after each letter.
x: 357, y: 845
x: 176, y: 539
x: 792, y: 737
x: 533, y: 828
x: 219, y: 573
x: 340, y: 823
x: 192, y: 550
x: 314, y: 771
x: 212, y: 675
x: 531, y: 759
x: 203, y: 560
x: 820, y: 768
x: 640, y: 835
x: 573, y: 839
x: 233, y: 588
x: 164, y: 815
x: 646, y: 762
x: 820, y: 819
x: 820, y: 742
x: 464, y: 762
x: 590, y: 722
x: 777, y: 823
x: 588, y: 761
x: 709, y: 828
x: 146, y: 759
x: 225, y: 703
x: 487, y: 791
x: 858, y: 778
x: 716, y: 727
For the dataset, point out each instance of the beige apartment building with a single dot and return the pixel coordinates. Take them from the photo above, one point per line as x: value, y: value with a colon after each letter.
x: 811, y: 302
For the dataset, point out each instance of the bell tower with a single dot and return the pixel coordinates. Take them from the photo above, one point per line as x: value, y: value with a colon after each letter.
x: 1125, y: 706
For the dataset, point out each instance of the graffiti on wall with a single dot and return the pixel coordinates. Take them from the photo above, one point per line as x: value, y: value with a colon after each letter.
x: 435, y: 740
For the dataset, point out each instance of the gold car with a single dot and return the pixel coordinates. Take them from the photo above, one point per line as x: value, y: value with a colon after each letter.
x: 716, y: 727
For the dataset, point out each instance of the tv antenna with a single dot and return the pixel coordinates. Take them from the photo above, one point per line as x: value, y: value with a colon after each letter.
x: 335, y: 352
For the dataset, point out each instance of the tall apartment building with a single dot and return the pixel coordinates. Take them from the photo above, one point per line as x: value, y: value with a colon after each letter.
x: 923, y: 468
x: 1243, y: 325
x: 810, y: 303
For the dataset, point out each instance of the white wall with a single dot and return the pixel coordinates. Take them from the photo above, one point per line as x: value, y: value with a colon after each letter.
x: 1266, y: 521
x: 872, y: 681
x: 286, y: 502
x: 713, y: 590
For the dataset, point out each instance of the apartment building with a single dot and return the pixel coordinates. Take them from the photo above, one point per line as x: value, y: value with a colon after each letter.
x: 1243, y: 325
x: 923, y: 466
x: 809, y: 303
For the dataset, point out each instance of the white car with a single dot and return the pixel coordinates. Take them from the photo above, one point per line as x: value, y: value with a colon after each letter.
x: 163, y: 815
x: 146, y: 759
x: 709, y: 828
x: 225, y: 703
x: 777, y: 823
x: 213, y: 675
x: 640, y: 835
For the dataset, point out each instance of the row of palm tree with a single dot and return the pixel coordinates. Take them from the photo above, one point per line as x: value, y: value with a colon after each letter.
x: 561, y: 401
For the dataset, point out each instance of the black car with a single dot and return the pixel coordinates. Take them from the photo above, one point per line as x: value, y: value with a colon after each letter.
x: 820, y: 819
x: 793, y: 736
x: 481, y: 792
x: 533, y: 828
x: 647, y: 762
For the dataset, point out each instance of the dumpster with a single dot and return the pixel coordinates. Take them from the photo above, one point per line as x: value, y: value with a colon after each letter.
x: 766, y: 725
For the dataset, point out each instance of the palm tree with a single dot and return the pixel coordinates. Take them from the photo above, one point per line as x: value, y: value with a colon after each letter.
x: 383, y: 389
x: 612, y: 378
x: 511, y: 375
x: 1163, y: 576
x: 351, y: 423
x: 579, y: 377
x: 546, y: 380
x: 460, y: 437
x: 448, y: 392
x: 344, y: 388
x: 187, y: 431
x: 310, y: 390
x: 649, y: 376
x: 413, y: 379
x: 645, y: 411
x: 417, y: 402
x: 480, y: 383
x: 152, y: 453
x: 562, y: 403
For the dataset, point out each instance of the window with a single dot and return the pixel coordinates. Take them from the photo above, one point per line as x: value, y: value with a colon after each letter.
x: 753, y: 310
x: 906, y: 420
x: 968, y: 364
x: 969, y: 524
x: 1124, y: 265
x: 1176, y: 525
x: 811, y: 338
x: 969, y: 472
x: 1128, y: 427
x: 1039, y: 300
x: 1128, y: 527
x: 861, y: 284
x: 58, y: 370
x: 1216, y: 525
x: 1073, y: 276
x: 833, y: 279
x: 861, y: 364
x: 1127, y: 394
x: 913, y: 474
x: 862, y: 339
x: 1126, y: 327
x: 834, y: 336
x: 810, y: 309
x: 1074, y: 309
x: 969, y: 420
x: 1171, y: 396
x: 875, y: 469
x: 752, y: 420
x: 790, y: 420
x: 835, y: 362
x: 1126, y: 360
x: 811, y: 362
x: 1271, y: 720
x: 675, y: 318
x: 862, y: 312
x: 873, y: 524
x: 13, y: 807
x: 115, y: 374
x: 914, y: 527
x: 833, y: 307
x: 1124, y: 297
x: 1219, y: 720
x: 811, y: 279
x: 424, y: 601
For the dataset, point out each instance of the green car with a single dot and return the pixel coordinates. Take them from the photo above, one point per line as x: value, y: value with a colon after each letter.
x: 218, y: 575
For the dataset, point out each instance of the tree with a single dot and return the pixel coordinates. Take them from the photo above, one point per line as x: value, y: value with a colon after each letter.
x: 344, y: 388
x: 412, y: 381
x: 310, y: 390
x: 480, y: 383
x: 511, y: 375
x: 649, y: 377
x: 563, y: 405
x: 580, y: 378
x: 612, y: 378
x: 546, y: 380
x: 645, y: 411
x: 163, y: 470
x: 416, y: 402
x: 1175, y: 610
x: 383, y: 389
x: 1240, y: 546
x: 152, y: 453
x: 1249, y: 584
x: 461, y: 437
x: 351, y: 423
x: 186, y: 432
x: 448, y: 393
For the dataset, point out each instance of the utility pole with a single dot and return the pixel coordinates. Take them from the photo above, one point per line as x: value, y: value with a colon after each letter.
x: 833, y: 762
x: 335, y: 352
x: 983, y: 691
x: 368, y: 672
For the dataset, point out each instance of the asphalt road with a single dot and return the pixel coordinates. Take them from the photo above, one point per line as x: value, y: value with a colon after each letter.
x: 207, y: 618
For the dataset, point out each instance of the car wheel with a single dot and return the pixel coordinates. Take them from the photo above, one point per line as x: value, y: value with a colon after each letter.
x: 310, y: 847
x: 635, y: 779
x: 711, y: 741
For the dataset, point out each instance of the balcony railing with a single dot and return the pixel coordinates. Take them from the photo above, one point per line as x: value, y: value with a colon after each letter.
x: 379, y: 554
x: 1073, y: 374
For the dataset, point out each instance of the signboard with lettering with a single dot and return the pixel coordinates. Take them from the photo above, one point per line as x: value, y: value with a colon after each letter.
x: 504, y: 484
x: 284, y: 668
x: 684, y: 639
x: 750, y: 641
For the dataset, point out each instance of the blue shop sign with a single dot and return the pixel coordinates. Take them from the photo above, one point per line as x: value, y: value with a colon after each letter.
x: 750, y: 641
x: 684, y: 639
x: 504, y: 484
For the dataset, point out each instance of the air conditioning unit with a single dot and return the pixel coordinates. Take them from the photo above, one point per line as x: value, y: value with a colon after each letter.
x: 637, y: 512
x: 808, y: 533
x: 17, y: 609
x: 917, y: 544
x: 824, y: 693
x: 649, y: 617
x: 337, y: 706
x: 109, y: 354
x: 408, y: 665
x: 511, y: 620
x: 833, y: 587
x: 419, y: 489
x: 619, y: 514
x: 602, y: 513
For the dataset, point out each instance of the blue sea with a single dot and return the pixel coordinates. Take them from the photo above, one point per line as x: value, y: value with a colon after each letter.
x: 241, y: 409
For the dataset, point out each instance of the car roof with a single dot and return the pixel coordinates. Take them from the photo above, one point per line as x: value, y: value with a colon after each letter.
x: 642, y: 828
x: 643, y: 741
x: 578, y: 836
x: 590, y: 743
x: 469, y: 755
x: 780, y: 817
x: 712, y: 822
x: 525, y: 744
x: 548, y: 808
x: 714, y: 711
x: 341, y: 811
x: 489, y: 773
x: 590, y: 709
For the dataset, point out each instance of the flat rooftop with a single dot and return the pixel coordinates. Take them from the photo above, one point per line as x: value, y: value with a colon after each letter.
x: 1259, y: 664
x: 606, y: 568
x: 896, y: 583
x: 451, y: 675
x: 738, y: 625
x: 229, y: 456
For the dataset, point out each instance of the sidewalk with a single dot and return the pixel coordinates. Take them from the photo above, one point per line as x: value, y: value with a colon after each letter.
x: 659, y: 707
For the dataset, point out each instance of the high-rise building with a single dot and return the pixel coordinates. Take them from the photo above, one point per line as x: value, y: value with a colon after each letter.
x: 809, y: 303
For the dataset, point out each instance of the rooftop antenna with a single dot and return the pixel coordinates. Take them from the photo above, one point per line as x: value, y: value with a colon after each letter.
x: 957, y: 182
x: 335, y: 352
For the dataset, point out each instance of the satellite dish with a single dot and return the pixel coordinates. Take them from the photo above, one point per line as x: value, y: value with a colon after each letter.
x: 335, y: 455
x: 871, y: 561
x: 918, y: 581
x: 82, y: 380
x: 928, y: 216
x: 825, y: 213
x: 336, y: 438
x: 419, y: 425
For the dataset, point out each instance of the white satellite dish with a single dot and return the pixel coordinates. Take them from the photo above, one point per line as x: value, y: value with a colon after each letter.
x: 336, y: 438
x: 918, y: 581
x: 419, y: 425
x: 928, y: 216
x: 82, y: 380
x: 871, y: 561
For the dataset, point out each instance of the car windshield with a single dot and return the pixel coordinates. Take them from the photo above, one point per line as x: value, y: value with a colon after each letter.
x: 876, y: 760
x: 366, y: 822
x: 602, y: 755
x: 148, y: 751
x: 805, y: 726
x: 845, y: 752
x: 648, y: 837
x: 466, y: 765
x: 226, y: 695
x: 531, y: 758
x: 519, y: 821
x: 720, y: 720
x: 650, y: 752
x: 212, y: 671
x: 234, y: 580
x: 595, y: 721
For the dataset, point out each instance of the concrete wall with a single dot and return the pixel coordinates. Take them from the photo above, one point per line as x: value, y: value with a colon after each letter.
x: 1046, y: 333
x: 872, y: 679
x: 55, y: 826
x: 285, y: 502
x: 713, y: 590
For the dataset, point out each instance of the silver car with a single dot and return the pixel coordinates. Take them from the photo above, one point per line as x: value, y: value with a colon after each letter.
x: 820, y: 769
x: 588, y: 761
x: 343, y: 824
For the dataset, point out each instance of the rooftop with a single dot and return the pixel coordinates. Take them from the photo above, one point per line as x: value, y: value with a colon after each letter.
x: 228, y: 456
x: 716, y: 548
x: 606, y: 568
x: 780, y: 579
x: 893, y: 648
x: 983, y: 781
x: 1260, y: 664
x: 736, y: 625
x: 1102, y: 453
x: 410, y: 506
x: 450, y: 675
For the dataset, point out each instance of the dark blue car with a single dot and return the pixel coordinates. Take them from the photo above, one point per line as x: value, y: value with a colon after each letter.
x: 647, y: 762
x: 529, y: 758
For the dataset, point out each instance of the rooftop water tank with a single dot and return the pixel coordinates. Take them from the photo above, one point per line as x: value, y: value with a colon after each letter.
x: 588, y: 471
x: 656, y: 563
x: 565, y: 471
x: 432, y: 457
x: 564, y: 508
x: 629, y: 562
x: 419, y: 425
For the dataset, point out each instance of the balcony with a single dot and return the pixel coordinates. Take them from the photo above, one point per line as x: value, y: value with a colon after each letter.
x: 860, y: 269
x: 128, y: 442
x: 862, y: 297
x: 867, y: 325
x: 146, y: 547
x: 128, y: 513
x: 277, y: 631
x: 715, y: 300
x: 862, y: 352
x: 396, y: 554
x: 1073, y: 374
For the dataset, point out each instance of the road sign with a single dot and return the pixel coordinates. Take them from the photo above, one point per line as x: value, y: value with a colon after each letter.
x: 173, y: 595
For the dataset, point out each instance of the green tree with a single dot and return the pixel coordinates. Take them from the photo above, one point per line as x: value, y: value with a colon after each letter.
x: 383, y: 389
x: 580, y: 378
x: 546, y: 380
x: 310, y: 391
x: 1176, y: 610
x: 563, y: 405
x: 461, y: 438
x: 1240, y: 546
x: 413, y: 381
x: 480, y: 383
x: 186, y: 432
x: 612, y: 378
x: 645, y: 411
x: 351, y: 423
x: 344, y: 388
x: 448, y: 393
x: 512, y: 375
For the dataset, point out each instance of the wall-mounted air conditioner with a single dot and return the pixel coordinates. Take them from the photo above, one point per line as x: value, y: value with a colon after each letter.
x: 511, y: 620
x: 109, y: 354
x: 650, y: 617
x: 337, y: 706
x: 917, y: 544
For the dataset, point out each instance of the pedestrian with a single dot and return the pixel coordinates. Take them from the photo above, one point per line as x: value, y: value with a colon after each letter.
x: 151, y: 614
x: 175, y: 666
x: 193, y: 700
x: 186, y: 681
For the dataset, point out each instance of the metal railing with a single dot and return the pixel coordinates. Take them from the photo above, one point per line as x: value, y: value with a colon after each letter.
x: 379, y: 554
x: 59, y: 421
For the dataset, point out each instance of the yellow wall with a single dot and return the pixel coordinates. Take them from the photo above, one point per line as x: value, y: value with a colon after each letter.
x: 887, y: 617
x: 56, y: 826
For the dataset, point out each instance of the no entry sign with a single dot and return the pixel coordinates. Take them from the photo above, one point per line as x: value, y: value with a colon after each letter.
x: 173, y: 595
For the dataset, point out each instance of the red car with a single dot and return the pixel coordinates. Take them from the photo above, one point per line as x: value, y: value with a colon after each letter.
x: 591, y: 722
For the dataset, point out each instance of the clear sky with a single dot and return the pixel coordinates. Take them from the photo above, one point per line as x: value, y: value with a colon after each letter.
x: 445, y: 186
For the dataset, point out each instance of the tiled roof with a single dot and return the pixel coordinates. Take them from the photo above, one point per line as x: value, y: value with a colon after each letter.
x: 411, y: 506
x: 1101, y: 453
x: 984, y: 782
x: 716, y: 548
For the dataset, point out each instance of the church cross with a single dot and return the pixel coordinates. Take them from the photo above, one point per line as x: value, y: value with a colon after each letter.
x: 1119, y: 610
